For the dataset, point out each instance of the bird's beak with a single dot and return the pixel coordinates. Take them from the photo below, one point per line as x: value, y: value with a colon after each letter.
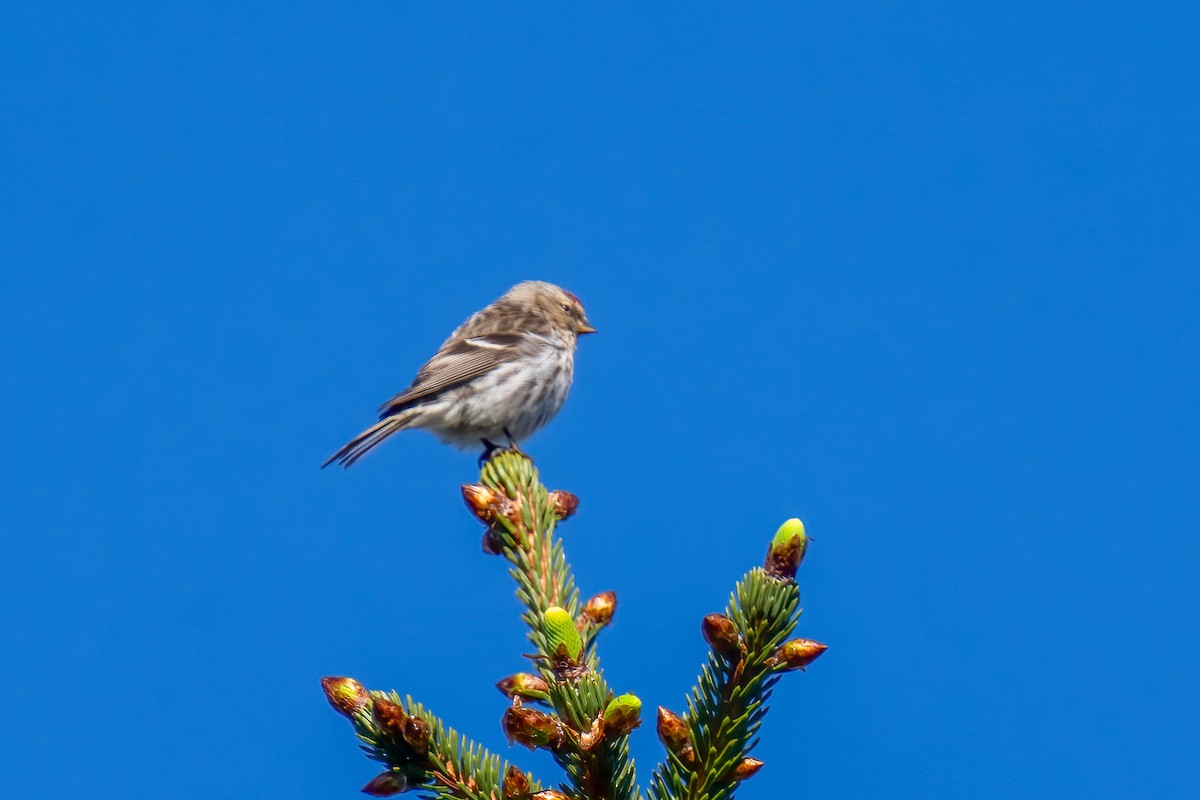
x: 585, y: 327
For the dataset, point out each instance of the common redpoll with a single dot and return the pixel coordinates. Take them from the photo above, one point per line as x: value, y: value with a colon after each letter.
x: 502, y: 375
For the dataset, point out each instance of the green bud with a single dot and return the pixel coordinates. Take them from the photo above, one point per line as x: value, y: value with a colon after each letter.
x: 559, y: 628
x: 622, y: 715
x: 787, y: 531
x: 787, y: 550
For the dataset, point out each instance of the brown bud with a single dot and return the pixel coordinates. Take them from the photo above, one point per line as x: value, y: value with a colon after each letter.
x: 480, y: 499
x: 524, y: 685
x: 672, y: 730
x: 549, y: 794
x: 488, y: 504
x: 796, y: 654
x: 389, y: 716
x: 386, y: 784
x: 493, y: 542
x: 416, y: 735
x: 346, y: 695
x: 687, y: 754
x: 600, y: 609
x: 515, y: 783
x: 746, y: 769
x: 532, y: 728
x: 722, y: 636
x: 565, y: 503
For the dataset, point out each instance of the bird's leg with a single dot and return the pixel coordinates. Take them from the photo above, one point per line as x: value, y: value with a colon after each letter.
x: 489, y: 447
x: 513, y: 446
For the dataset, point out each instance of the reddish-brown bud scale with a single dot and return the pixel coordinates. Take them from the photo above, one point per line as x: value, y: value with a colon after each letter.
x: 783, y: 560
x: 389, y: 716
x: 549, y: 794
x: 748, y: 768
x: 599, y: 609
x: 722, y: 636
x: 346, y: 695
x: 592, y: 736
x: 565, y: 503
x: 416, y: 735
x: 480, y: 499
x: 796, y: 654
x: 532, y: 729
x: 488, y: 504
x: 515, y: 783
x: 386, y: 784
x: 672, y: 730
x: 524, y: 685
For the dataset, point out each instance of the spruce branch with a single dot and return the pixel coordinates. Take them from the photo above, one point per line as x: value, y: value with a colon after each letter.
x: 418, y: 750
x: 523, y: 516
x: 586, y: 727
x: 708, y: 753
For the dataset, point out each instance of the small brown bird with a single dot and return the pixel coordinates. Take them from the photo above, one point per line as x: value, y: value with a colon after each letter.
x: 503, y: 374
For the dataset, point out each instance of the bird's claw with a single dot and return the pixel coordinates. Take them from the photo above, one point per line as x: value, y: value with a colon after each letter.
x: 513, y: 447
x: 490, y: 449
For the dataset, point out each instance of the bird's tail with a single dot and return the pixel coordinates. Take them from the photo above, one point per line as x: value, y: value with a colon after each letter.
x: 359, y: 445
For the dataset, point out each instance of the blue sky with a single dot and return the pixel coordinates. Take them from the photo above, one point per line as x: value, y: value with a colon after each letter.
x: 923, y: 274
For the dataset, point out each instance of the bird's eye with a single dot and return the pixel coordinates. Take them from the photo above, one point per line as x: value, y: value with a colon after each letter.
x: 566, y: 307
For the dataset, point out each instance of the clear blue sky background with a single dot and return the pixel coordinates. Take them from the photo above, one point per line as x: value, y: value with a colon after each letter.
x: 923, y: 274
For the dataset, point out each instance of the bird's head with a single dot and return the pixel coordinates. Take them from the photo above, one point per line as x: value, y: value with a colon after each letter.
x: 558, y: 306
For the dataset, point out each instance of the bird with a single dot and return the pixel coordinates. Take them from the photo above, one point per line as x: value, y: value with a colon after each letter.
x: 502, y: 374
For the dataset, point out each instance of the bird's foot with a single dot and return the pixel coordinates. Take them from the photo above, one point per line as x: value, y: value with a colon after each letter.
x: 513, y: 447
x: 490, y: 449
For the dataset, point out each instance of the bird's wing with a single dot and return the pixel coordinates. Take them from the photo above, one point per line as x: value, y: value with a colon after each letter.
x: 459, y: 361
